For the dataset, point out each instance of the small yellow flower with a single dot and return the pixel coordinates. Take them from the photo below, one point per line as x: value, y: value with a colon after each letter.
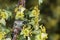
x: 44, y: 29
x: 35, y: 21
x: 41, y: 36
x: 19, y: 15
x: 38, y: 37
x: 35, y: 12
x: 26, y: 31
x: 44, y: 36
x: 2, y: 35
x: 3, y: 15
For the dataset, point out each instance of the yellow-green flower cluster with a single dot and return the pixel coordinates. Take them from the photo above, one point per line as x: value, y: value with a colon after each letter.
x: 42, y: 35
x: 26, y: 31
x: 35, y: 12
x: 31, y: 27
x: 3, y: 14
x: 19, y: 12
x: 2, y: 34
x: 19, y: 15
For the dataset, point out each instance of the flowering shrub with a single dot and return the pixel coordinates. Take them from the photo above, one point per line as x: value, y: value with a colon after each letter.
x: 26, y: 25
x: 29, y: 29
